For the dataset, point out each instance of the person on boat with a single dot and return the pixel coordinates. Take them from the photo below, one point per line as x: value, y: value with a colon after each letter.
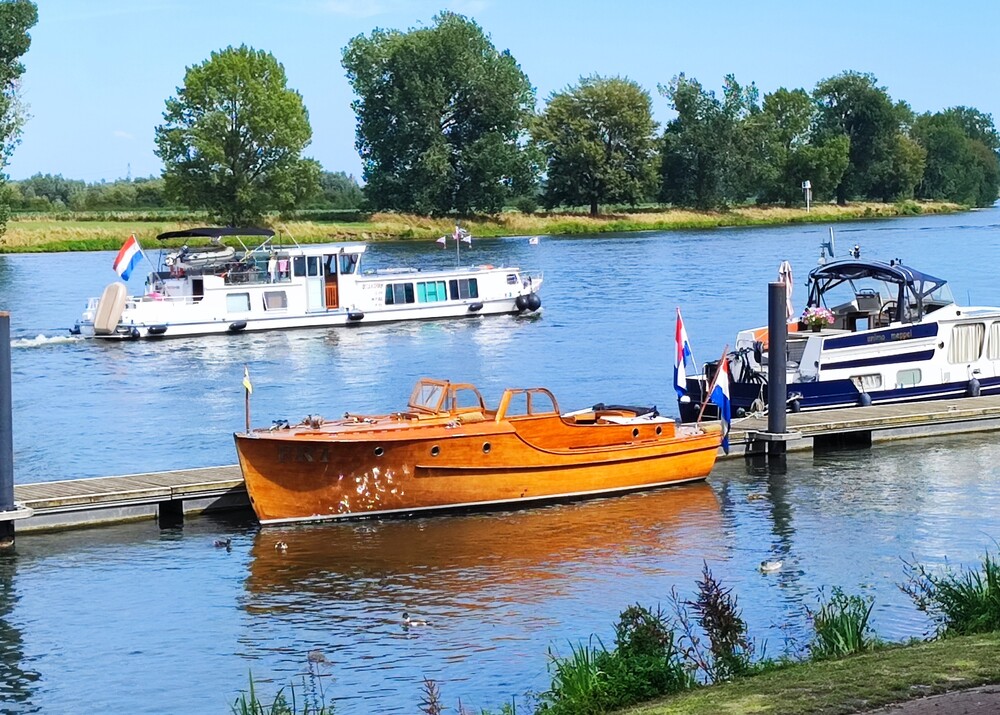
x: 272, y: 267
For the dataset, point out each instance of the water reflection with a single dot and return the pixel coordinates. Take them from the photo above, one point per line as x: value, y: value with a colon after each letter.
x: 16, y: 682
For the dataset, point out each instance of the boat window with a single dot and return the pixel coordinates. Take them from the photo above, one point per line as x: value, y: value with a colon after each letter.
x: 908, y: 378
x: 867, y: 383
x: 966, y: 343
x: 398, y: 293
x: 197, y: 289
x: 275, y: 300
x: 511, y: 279
x: 993, y: 345
x: 348, y: 262
x: 431, y: 292
x: 237, y: 302
x: 315, y: 265
x: 517, y: 406
x: 299, y: 266
x: 466, y: 398
x: 464, y: 288
x: 427, y: 396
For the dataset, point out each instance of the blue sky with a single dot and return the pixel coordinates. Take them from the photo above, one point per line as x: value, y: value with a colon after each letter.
x: 99, y: 71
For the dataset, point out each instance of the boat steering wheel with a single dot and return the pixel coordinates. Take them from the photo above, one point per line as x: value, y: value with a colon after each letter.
x: 885, y: 315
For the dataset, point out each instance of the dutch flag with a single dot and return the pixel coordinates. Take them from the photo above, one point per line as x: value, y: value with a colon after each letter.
x: 682, y: 357
x: 128, y: 258
x: 720, y: 397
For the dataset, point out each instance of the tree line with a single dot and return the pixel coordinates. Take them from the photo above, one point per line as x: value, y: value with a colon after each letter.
x: 447, y: 123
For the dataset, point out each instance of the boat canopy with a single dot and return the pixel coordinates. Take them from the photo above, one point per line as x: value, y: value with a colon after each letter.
x: 215, y: 232
x: 914, y: 288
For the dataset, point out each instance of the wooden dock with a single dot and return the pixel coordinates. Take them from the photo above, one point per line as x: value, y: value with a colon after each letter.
x: 168, y: 496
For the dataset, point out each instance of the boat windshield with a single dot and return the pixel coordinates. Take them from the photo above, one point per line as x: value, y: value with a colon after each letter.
x: 436, y: 396
x: 427, y: 396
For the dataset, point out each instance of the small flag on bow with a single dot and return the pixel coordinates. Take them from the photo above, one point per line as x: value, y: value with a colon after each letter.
x: 246, y: 380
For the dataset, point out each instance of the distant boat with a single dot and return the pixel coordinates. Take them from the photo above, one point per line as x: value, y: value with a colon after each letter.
x: 447, y: 450
x: 219, y: 289
x: 534, y: 240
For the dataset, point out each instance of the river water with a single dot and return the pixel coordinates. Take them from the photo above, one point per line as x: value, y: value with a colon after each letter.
x: 133, y: 619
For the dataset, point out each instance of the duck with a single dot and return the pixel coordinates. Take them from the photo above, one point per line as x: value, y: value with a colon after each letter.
x: 770, y: 566
x: 407, y: 621
x: 226, y: 543
x: 280, y: 546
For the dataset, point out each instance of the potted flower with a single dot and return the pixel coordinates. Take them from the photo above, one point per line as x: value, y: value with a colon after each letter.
x: 817, y: 317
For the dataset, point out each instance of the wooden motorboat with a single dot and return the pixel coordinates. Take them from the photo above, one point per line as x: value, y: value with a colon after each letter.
x: 446, y: 450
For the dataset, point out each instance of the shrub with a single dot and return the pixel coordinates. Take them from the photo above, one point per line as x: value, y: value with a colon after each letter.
x: 841, y: 626
x: 959, y: 602
x: 526, y: 204
x: 731, y: 650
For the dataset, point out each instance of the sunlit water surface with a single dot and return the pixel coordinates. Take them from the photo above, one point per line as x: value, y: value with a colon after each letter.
x: 133, y: 619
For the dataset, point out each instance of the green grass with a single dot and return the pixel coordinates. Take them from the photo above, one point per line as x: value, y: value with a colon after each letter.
x: 105, y: 231
x: 841, y: 626
x: 960, y: 602
x: 865, y: 681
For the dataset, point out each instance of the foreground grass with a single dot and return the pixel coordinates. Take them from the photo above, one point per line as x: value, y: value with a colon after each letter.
x: 849, y: 685
x: 39, y: 234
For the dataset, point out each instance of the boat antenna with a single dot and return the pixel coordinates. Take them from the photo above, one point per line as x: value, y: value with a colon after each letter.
x: 827, y: 246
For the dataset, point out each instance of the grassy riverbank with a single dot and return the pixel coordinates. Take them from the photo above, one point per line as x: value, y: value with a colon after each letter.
x: 861, y: 682
x: 33, y: 234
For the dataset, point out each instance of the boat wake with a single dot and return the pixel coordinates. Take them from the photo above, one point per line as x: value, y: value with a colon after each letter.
x: 41, y: 341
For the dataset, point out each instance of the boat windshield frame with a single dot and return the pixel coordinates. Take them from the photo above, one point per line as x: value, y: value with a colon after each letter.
x: 432, y: 396
x: 913, y: 286
x: 532, y: 396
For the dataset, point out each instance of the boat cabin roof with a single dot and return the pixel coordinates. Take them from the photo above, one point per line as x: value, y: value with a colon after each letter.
x: 215, y: 232
x: 856, y: 269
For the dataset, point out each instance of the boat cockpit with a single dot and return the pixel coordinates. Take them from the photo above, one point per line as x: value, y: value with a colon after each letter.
x: 865, y: 294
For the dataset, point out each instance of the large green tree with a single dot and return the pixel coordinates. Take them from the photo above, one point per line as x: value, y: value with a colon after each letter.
x: 598, y: 141
x: 882, y: 162
x: 16, y: 18
x: 233, y: 137
x: 962, y: 162
x: 709, y: 153
x: 442, y: 116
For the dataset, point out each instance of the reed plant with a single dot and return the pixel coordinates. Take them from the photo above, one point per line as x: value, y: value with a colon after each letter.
x: 841, y: 626
x: 959, y: 602
x: 730, y: 650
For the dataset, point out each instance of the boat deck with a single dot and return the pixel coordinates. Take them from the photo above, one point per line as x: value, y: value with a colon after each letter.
x: 169, y: 495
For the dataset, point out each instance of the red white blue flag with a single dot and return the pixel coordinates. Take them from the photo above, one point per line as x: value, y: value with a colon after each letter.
x: 720, y: 397
x: 682, y: 357
x: 128, y: 258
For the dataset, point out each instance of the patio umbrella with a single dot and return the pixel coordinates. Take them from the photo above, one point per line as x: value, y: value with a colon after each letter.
x: 785, y: 276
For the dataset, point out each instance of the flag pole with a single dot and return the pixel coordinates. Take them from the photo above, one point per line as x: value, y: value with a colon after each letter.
x: 711, y: 387
x: 247, y: 389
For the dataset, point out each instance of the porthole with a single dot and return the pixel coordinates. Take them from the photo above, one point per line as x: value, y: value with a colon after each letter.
x: 635, y: 431
x: 659, y: 430
x: 486, y: 447
x: 435, y: 451
x: 379, y: 451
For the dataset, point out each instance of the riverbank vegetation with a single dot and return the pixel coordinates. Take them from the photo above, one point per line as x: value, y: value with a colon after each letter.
x: 699, y: 657
x: 449, y: 127
x: 105, y: 230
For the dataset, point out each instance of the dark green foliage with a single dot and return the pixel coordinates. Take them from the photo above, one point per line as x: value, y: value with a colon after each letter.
x: 45, y: 192
x: 841, y: 626
x: 645, y: 664
x: 232, y: 139
x: 337, y: 191
x: 883, y: 164
x: 441, y: 118
x: 959, y: 602
x: 721, y: 619
x: 962, y: 161
x: 526, y: 204
x: 16, y: 18
x: 598, y: 143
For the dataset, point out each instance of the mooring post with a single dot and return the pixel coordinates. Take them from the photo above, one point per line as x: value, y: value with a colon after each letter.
x: 777, y: 388
x: 6, y: 437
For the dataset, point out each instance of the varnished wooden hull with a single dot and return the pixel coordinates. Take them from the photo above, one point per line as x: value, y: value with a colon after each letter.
x: 373, y: 472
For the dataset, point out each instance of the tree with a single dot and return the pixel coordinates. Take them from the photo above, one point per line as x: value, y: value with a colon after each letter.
x: 598, y: 142
x: 233, y: 136
x: 852, y: 104
x: 337, y: 190
x: 962, y: 163
x: 708, y: 154
x: 16, y: 18
x: 442, y: 116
